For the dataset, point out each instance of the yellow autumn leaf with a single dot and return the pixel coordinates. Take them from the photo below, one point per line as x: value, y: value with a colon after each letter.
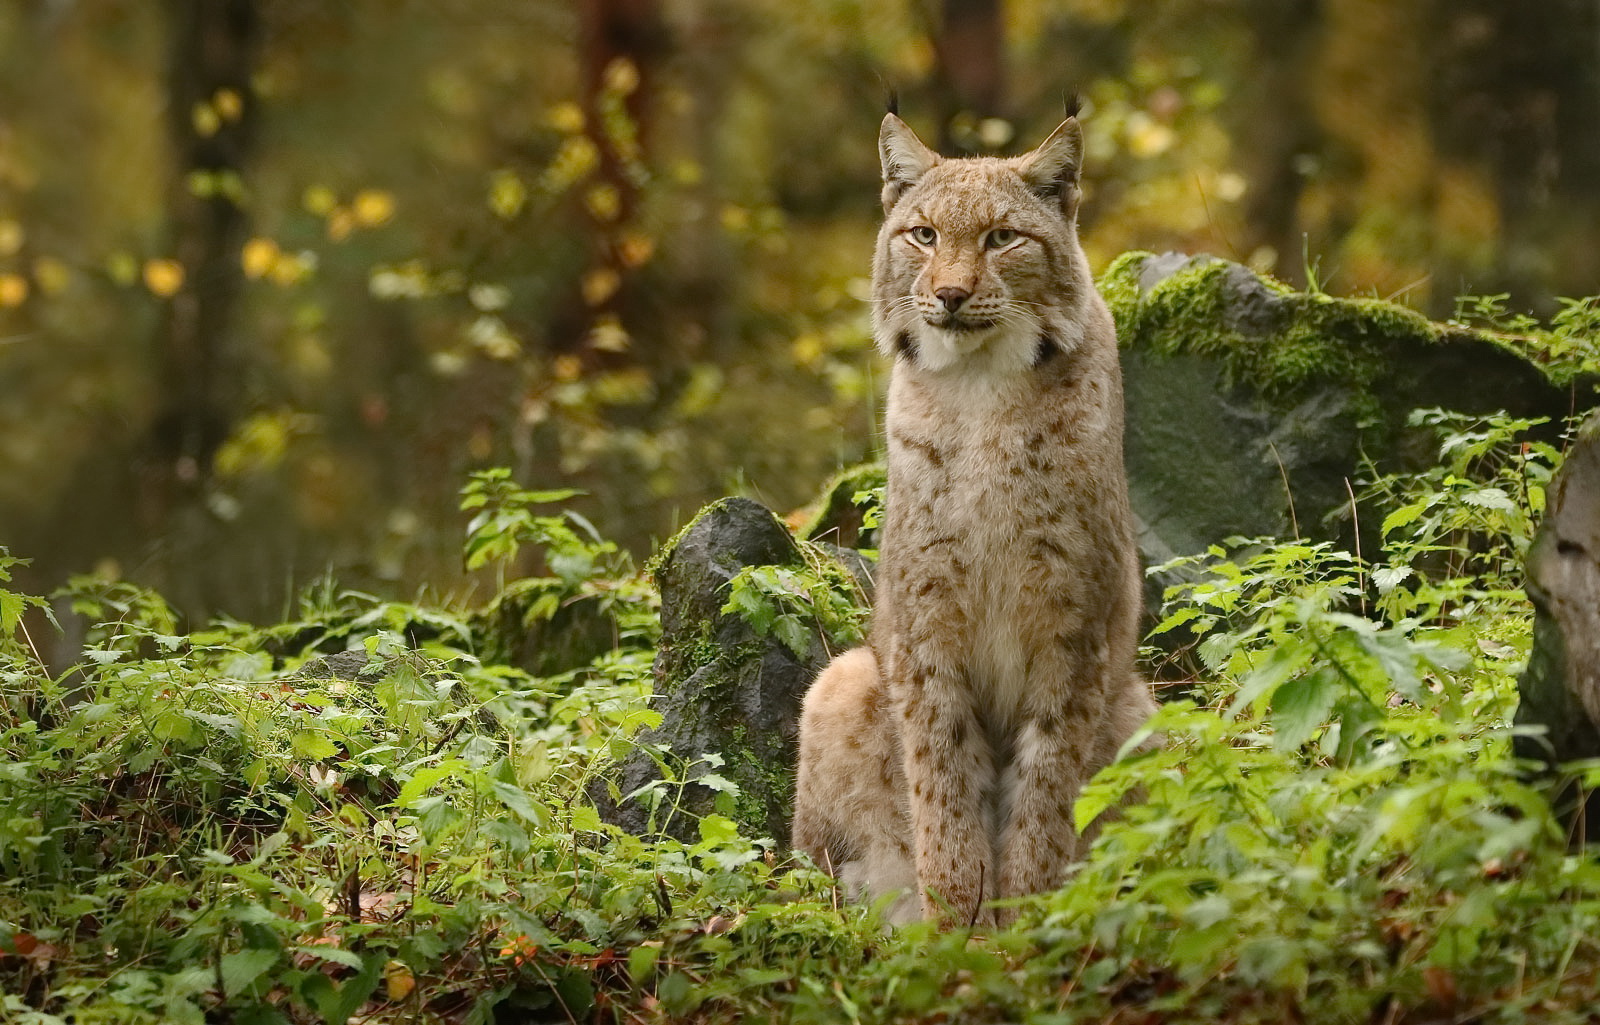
x: 807, y: 348
x: 398, y: 982
x: 13, y: 289
x: 567, y: 367
x: 205, y: 119
x: 507, y: 194
x: 288, y: 269
x: 566, y: 117
x: 600, y: 284
x: 341, y: 222
x: 163, y: 277
x: 621, y: 76
x: 636, y: 249
x: 11, y: 237
x: 1148, y: 137
x: 228, y: 104
x: 258, y: 256
x: 372, y: 207
x: 604, y: 201
x: 608, y: 335
x: 319, y: 200
x: 52, y: 275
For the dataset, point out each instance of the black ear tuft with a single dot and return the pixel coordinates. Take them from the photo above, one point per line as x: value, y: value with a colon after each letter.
x: 1074, y: 103
x: 892, y: 101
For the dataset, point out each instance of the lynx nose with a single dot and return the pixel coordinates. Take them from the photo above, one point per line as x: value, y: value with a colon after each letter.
x: 952, y: 297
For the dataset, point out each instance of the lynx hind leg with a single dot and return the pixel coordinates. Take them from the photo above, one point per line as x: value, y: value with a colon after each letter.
x: 1124, y: 718
x: 850, y: 813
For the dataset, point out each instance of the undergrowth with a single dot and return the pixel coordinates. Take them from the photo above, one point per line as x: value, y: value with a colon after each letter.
x: 364, y: 814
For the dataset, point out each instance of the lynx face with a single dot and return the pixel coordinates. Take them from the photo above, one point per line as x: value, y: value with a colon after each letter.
x: 978, y: 259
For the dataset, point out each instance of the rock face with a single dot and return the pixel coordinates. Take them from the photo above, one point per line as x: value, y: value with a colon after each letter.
x: 720, y: 687
x: 1250, y: 405
x: 1560, y: 689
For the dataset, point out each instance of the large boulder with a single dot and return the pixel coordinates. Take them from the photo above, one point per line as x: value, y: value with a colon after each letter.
x: 1560, y: 689
x: 722, y: 688
x: 1250, y: 406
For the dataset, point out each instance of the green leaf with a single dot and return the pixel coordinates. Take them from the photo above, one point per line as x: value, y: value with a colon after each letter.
x: 1490, y: 498
x: 337, y: 1006
x: 1387, y: 578
x: 313, y: 745
x: 242, y: 968
x: 1264, y: 679
x: 1404, y: 516
x: 718, y: 829
x: 642, y: 964
x: 12, y: 606
x: 517, y: 800
x: 795, y: 635
x: 1301, y: 705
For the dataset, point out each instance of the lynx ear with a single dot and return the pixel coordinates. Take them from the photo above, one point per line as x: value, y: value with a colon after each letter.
x: 1052, y: 169
x: 905, y: 159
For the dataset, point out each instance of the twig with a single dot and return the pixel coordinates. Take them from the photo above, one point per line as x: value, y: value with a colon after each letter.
x: 1361, y: 572
x: 1283, y: 472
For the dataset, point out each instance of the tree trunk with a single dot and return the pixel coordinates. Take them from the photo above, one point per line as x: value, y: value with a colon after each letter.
x: 620, y: 43
x: 1274, y: 123
x: 211, y: 122
x: 969, y: 79
x: 1560, y: 689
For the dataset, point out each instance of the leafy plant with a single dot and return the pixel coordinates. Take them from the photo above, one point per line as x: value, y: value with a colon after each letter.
x: 792, y: 603
x: 358, y: 815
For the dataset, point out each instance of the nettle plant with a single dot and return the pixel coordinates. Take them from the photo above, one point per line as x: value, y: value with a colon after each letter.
x: 348, y: 812
x: 229, y: 824
x: 1339, y: 792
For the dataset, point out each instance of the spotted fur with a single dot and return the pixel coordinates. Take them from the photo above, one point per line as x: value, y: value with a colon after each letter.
x: 941, y: 761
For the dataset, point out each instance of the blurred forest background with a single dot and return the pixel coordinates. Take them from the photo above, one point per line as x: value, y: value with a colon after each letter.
x: 276, y: 275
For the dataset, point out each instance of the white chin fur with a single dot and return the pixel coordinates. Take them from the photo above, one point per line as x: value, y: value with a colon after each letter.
x: 995, y: 349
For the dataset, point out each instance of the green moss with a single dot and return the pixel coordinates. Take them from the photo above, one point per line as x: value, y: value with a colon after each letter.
x: 835, y: 516
x: 652, y: 568
x: 1267, y: 336
x: 766, y: 783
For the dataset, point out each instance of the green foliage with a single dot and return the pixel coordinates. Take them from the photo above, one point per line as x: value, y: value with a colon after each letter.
x: 505, y: 522
x: 792, y: 603
x: 615, y: 604
x: 1470, y: 516
x: 12, y: 608
x: 1566, y: 347
x: 229, y: 823
x: 871, y: 502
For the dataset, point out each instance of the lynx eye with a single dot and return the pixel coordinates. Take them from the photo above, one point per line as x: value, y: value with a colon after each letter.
x: 924, y: 235
x: 999, y: 238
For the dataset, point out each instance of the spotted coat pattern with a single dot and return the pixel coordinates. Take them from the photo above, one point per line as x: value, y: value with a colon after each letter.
x: 941, y: 761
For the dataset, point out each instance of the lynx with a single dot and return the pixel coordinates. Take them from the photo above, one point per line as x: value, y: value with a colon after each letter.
x: 942, y: 760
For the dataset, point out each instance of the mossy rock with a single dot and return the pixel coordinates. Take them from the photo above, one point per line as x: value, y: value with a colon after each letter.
x: 721, y: 688
x: 1250, y: 405
x: 535, y: 627
x: 836, y: 518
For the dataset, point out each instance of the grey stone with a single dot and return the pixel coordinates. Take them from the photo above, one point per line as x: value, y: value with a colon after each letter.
x: 1250, y: 407
x: 721, y: 688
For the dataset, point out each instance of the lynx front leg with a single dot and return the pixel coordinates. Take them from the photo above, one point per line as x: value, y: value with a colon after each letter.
x: 949, y: 768
x: 1039, y: 839
x: 1054, y: 756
